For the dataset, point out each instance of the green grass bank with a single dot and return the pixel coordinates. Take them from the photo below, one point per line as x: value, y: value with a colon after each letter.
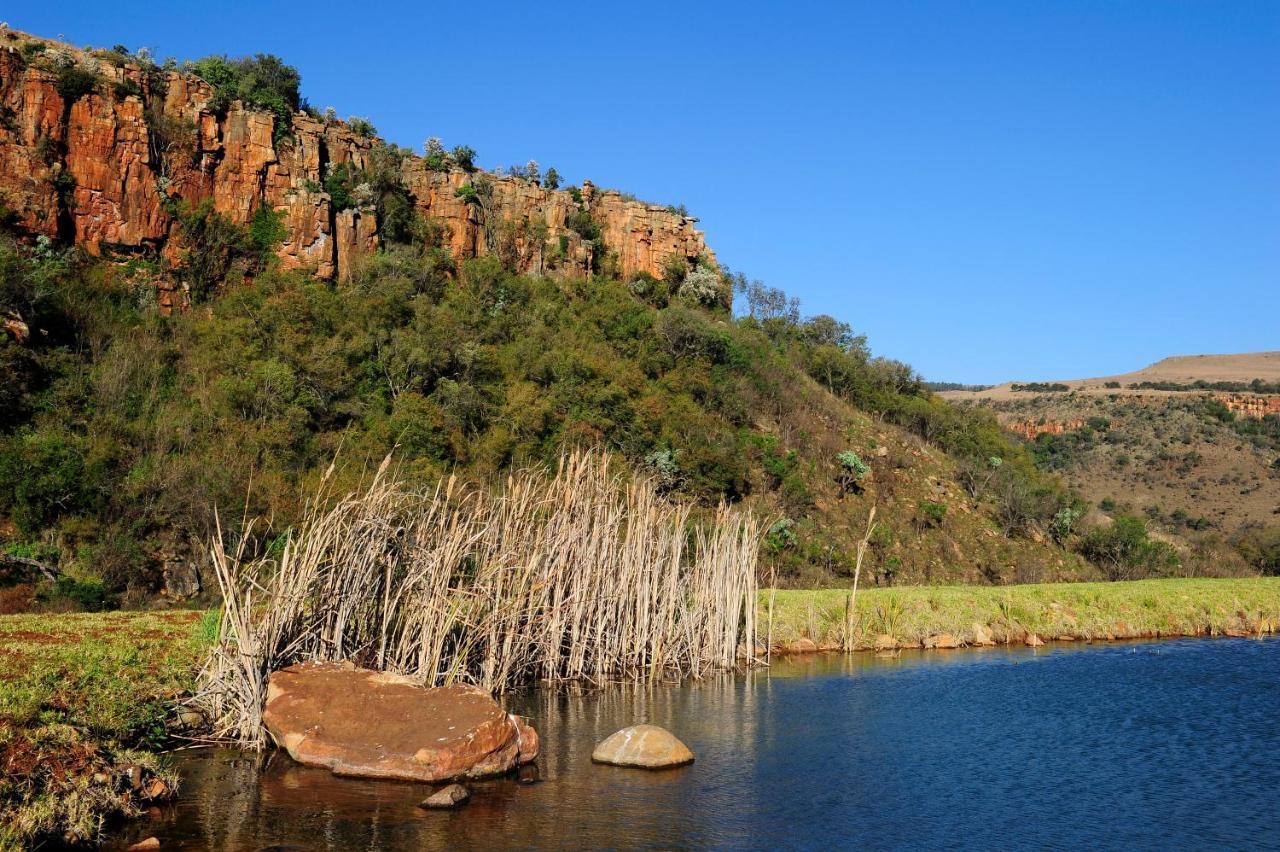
x: 86, y: 701
x: 915, y: 616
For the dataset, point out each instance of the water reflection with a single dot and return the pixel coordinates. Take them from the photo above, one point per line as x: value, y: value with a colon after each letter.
x: 1152, y: 745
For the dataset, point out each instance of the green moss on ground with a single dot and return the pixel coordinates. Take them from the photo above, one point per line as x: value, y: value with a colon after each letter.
x: 85, y: 699
x: 1082, y: 611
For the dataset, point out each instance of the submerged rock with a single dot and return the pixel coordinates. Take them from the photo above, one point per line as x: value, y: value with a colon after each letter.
x: 645, y: 746
x: 448, y: 797
x: 380, y: 725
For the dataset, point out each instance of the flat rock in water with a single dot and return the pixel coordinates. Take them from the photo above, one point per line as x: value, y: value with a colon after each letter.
x: 645, y: 746
x: 379, y: 725
x: 449, y: 797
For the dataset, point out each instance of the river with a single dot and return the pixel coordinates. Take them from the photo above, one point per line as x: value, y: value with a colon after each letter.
x: 1154, y: 745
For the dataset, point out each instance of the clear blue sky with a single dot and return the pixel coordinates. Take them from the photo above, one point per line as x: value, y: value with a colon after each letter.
x: 989, y: 190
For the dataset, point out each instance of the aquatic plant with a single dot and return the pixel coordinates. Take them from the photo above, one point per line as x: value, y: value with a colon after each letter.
x: 581, y: 576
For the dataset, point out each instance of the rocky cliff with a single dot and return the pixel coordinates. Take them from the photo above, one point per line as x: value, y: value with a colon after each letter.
x: 103, y: 166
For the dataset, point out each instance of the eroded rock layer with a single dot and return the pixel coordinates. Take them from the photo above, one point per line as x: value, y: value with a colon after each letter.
x: 97, y: 169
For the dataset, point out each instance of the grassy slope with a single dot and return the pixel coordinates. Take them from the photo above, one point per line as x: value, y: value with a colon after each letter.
x: 1087, y: 611
x: 84, y: 697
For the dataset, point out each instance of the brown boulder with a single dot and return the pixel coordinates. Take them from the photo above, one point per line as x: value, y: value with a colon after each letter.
x: 449, y: 797
x: 885, y: 642
x: 801, y: 646
x: 943, y: 641
x: 982, y: 635
x: 380, y: 725
x: 645, y: 746
x: 1033, y: 641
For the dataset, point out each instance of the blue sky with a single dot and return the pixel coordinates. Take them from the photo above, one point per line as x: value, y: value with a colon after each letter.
x: 990, y: 190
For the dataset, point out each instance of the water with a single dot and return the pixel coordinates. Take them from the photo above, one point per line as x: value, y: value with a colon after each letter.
x: 1155, y: 745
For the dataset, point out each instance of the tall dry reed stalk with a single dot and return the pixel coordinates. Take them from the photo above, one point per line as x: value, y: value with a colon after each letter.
x: 580, y: 576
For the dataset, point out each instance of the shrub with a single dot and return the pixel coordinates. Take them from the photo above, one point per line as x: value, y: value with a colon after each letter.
x: 552, y: 179
x: 267, y: 229
x: 852, y: 469
x: 339, y: 183
x: 931, y: 514
x: 1125, y: 551
x: 674, y: 269
x: 582, y: 223
x: 362, y: 127
x: 465, y: 157
x: 212, y: 244
x: 702, y: 287
x: 74, y: 82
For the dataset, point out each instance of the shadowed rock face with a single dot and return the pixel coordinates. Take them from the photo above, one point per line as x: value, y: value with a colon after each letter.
x: 380, y: 725
x: 97, y: 170
x: 644, y: 746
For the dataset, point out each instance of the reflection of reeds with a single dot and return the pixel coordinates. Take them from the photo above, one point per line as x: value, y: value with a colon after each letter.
x: 577, y: 576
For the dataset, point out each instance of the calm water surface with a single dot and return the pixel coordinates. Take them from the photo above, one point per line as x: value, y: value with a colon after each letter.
x: 1137, y: 746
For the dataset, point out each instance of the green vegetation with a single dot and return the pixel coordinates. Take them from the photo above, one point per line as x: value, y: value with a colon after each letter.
x: 123, y: 426
x: 1039, y: 387
x: 1126, y: 551
x: 84, y: 699
x: 262, y: 81
x: 1255, y: 386
x: 1086, y: 611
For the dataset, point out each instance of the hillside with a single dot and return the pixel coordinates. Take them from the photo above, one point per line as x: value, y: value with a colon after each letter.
x: 212, y: 292
x: 1191, y: 443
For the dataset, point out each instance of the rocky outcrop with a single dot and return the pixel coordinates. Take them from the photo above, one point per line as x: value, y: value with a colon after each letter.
x: 643, y: 746
x: 100, y: 168
x: 380, y: 725
x: 1032, y: 429
x: 1251, y: 405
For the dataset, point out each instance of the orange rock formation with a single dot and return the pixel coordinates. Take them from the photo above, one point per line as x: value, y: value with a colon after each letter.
x: 1032, y: 429
x: 98, y: 170
x: 1250, y: 405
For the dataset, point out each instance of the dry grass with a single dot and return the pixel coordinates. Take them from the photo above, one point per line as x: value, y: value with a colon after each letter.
x: 579, y: 576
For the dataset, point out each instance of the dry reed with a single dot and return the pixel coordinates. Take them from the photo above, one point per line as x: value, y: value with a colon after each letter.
x: 581, y: 576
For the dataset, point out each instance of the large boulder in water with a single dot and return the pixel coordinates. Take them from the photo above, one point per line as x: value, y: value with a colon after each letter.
x: 645, y: 746
x: 380, y: 725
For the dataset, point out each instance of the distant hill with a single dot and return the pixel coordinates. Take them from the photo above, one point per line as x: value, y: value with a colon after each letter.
x: 1191, y: 444
x: 1241, y: 369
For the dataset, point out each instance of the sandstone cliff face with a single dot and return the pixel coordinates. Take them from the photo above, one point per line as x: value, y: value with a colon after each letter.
x: 97, y: 171
x: 1032, y: 429
x: 1250, y: 405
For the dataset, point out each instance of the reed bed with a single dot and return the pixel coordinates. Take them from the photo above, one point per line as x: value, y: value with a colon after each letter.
x: 583, y: 576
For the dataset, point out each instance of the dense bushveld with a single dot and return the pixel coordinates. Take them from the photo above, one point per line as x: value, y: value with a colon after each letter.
x: 121, y: 429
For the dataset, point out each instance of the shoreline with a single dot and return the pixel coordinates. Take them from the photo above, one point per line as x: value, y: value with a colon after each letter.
x: 110, y: 682
x: 949, y: 617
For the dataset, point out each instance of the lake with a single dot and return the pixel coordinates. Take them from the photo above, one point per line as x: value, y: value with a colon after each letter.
x: 1154, y: 745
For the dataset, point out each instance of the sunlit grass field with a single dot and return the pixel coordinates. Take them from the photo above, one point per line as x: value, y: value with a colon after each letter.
x: 1079, y: 611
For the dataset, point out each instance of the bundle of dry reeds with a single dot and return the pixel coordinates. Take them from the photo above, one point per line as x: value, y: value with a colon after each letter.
x: 583, y: 575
